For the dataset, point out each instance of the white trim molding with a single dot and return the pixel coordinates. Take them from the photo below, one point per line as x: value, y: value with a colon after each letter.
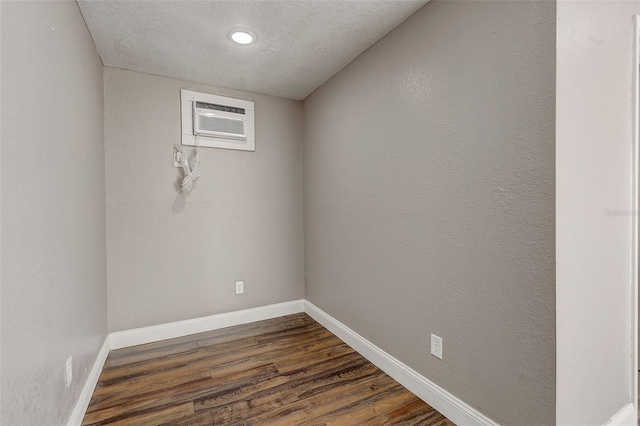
x: 140, y: 336
x: 635, y: 205
x: 89, y: 385
x: 451, y: 407
x: 626, y: 416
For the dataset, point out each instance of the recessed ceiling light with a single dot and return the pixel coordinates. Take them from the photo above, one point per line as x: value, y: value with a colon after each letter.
x: 242, y: 36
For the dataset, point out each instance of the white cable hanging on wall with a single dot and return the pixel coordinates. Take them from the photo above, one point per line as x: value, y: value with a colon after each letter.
x: 191, y: 168
x: 212, y: 121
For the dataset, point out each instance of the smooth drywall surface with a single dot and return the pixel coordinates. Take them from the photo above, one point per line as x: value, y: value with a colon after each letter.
x: 593, y: 163
x: 429, y: 201
x: 172, y: 256
x: 54, y: 300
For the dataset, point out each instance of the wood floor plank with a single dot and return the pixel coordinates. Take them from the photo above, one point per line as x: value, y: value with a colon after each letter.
x: 277, y: 383
x: 413, y: 413
x: 115, y: 361
x: 288, y: 370
x: 240, y: 410
x: 109, y: 396
x: 198, y: 419
x: 185, y: 392
x: 258, y: 332
x: 287, y: 320
x: 364, y: 410
x: 148, y: 347
x: 156, y: 417
x: 105, y: 386
x: 286, y: 359
x: 325, y: 402
x: 290, y: 345
x: 146, y: 402
x: 277, y: 336
x: 284, y: 396
x: 173, y: 361
x: 302, y: 358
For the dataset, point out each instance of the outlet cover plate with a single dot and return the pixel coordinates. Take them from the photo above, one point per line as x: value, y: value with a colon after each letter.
x: 69, y: 372
x: 436, y: 346
x: 239, y: 287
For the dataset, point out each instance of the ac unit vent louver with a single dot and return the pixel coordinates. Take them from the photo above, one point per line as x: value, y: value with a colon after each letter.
x: 217, y: 121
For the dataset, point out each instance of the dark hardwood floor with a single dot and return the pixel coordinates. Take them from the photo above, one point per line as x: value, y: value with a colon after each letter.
x: 287, y: 370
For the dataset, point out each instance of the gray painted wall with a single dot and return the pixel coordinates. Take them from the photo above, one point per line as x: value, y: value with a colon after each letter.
x: 593, y: 169
x: 173, y: 257
x: 429, y: 200
x: 53, y: 292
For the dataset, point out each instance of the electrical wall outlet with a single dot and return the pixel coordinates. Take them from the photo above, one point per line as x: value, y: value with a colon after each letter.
x: 239, y: 287
x: 69, y: 376
x: 436, y: 346
x: 178, y: 157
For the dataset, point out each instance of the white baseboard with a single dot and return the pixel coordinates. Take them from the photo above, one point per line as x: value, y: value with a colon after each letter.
x: 140, y: 336
x: 89, y: 385
x: 453, y: 408
x: 627, y: 416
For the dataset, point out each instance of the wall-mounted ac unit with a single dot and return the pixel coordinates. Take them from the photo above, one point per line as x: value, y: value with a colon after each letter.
x: 217, y: 121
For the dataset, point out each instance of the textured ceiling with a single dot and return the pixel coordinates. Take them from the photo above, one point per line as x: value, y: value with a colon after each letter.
x: 301, y: 43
